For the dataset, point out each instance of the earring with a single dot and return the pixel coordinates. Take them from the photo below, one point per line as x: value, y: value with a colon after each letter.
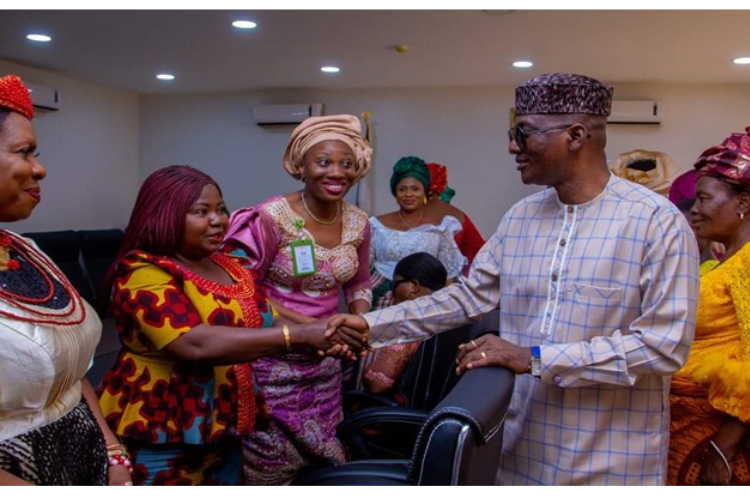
x: 425, y: 200
x: 742, y: 215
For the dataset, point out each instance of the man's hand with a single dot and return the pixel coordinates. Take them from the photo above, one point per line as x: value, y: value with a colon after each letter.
x: 491, y: 350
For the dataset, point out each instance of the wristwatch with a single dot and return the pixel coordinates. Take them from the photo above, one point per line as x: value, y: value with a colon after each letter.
x: 535, y: 363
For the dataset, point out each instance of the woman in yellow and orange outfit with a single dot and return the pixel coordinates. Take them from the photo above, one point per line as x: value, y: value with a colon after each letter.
x: 710, y: 395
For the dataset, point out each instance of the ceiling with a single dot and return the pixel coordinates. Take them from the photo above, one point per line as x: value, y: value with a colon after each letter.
x: 126, y: 49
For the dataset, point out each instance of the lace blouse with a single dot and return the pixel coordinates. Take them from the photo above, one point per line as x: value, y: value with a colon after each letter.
x: 388, y: 246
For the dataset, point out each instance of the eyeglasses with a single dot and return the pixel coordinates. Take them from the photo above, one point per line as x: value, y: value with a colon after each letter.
x: 518, y: 134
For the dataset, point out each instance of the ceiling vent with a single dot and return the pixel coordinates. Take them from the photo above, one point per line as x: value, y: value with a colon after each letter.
x: 285, y: 114
x: 636, y: 112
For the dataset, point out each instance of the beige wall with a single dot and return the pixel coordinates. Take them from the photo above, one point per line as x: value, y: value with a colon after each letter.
x: 90, y: 150
x: 463, y: 128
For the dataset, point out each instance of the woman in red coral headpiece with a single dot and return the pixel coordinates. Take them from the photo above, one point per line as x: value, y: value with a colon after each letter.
x: 51, y: 429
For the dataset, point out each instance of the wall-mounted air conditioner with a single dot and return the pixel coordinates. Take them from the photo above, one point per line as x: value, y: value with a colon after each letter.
x: 278, y: 114
x: 44, y: 97
x: 643, y: 112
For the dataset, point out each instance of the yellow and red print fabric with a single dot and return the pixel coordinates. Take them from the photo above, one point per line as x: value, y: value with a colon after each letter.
x: 153, y: 397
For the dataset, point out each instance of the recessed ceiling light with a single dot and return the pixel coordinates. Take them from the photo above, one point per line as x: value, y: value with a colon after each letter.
x: 330, y: 69
x: 523, y: 64
x: 244, y: 25
x: 38, y: 37
x: 742, y: 60
x: 165, y: 77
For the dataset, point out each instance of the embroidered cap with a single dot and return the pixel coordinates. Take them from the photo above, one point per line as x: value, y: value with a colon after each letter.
x: 15, y: 96
x: 563, y: 93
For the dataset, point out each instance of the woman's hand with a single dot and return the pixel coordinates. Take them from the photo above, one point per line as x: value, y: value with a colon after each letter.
x: 119, y: 476
x: 714, y: 471
x: 717, y: 461
x: 491, y: 350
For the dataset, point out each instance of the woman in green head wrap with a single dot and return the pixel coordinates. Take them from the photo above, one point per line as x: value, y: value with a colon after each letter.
x: 410, y: 229
x: 410, y: 167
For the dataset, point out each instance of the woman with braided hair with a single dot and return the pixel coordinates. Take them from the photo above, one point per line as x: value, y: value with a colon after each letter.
x: 182, y: 392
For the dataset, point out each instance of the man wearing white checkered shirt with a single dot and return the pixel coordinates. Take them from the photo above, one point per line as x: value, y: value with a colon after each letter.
x: 597, y: 282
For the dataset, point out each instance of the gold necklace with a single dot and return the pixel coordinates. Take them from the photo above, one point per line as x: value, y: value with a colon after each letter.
x: 324, y: 222
x: 421, y: 214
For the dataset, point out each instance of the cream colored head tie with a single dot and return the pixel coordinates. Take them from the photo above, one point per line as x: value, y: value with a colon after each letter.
x: 344, y: 128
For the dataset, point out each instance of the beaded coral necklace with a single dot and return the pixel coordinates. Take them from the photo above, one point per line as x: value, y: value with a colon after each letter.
x: 14, y: 252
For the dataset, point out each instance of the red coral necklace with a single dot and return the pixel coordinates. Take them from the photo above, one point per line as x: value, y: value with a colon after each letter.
x: 46, y: 271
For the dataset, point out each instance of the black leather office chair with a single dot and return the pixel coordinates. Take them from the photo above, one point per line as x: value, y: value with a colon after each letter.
x: 431, y: 374
x: 458, y: 444
x: 64, y: 248
x: 99, y: 248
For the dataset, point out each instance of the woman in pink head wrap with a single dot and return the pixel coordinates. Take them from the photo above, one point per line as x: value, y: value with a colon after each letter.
x: 306, y: 246
x: 710, y: 395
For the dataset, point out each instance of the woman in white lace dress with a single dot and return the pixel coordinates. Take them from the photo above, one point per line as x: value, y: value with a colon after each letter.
x: 410, y: 229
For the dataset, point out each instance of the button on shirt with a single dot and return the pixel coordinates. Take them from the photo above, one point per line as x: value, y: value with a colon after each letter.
x: 608, y: 289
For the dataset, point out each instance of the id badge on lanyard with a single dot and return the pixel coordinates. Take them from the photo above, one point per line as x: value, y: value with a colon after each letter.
x: 303, y: 257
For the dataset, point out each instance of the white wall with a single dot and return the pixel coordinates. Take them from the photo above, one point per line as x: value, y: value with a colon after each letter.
x: 90, y: 149
x: 463, y: 128
x: 696, y: 117
x: 103, y: 142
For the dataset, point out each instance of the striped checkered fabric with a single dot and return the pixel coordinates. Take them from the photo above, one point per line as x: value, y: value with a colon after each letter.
x: 608, y: 289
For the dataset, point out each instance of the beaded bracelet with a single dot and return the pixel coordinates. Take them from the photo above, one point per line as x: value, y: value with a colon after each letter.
x: 117, y: 454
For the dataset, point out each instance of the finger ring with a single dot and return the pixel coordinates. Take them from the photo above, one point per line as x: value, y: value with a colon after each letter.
x: 473, y: 343
x: 483, y: 354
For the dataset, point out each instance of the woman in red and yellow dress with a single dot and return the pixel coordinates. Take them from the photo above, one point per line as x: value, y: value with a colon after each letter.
x: 182, y: 393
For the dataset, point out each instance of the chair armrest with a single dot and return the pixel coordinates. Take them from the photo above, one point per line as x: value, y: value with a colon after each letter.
x: 370, y: 416
x: 355, y: 401
x: 381, y: 432
x: 361, y: 473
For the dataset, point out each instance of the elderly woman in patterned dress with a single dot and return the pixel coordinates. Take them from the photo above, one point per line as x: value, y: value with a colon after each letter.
x: 307, y: 246
x: 710, y: 395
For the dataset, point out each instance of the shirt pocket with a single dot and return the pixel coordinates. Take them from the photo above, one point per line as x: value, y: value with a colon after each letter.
x: 583, y: 292
x: 593, y: 311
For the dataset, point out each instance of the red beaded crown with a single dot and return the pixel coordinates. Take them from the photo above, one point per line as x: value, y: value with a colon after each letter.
x: 15, y: 96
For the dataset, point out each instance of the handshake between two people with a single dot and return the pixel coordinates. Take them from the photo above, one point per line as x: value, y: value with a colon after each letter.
x: 343, y: 336
x: 347, y: 336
